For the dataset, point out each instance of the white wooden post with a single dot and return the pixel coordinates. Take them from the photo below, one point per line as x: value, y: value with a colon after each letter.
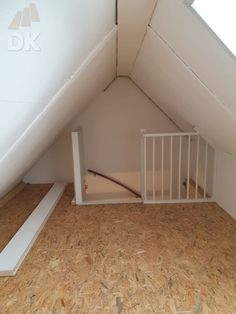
x: 78, y: 170
x: 145, y: 167
x: 188, y: 171
x: 154, y: 168
x: 197, y: 166
x: 205, y: 171
x: 180, y: 165
x: 162, y: 167
x: 171, y: 167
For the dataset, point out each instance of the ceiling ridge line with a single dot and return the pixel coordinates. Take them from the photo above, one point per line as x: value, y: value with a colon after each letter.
x: 154, y: 10
x: 141, y: 45
x: 138, y: 52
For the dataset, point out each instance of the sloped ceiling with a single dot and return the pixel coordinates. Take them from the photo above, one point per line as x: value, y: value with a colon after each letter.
x: 68, y: 32
x: 185, y: 69
x: 41, y: 92
x: 133, y: 19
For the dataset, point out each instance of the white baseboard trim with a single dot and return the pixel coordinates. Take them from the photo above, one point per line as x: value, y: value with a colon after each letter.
x: 113, y: 201
x: 16, y: 250
x: 109, y: 201
x: 182, y: 201
x: 140, y: 201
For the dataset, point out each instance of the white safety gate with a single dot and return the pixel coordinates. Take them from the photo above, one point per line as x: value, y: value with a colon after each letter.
x: 176, y: 167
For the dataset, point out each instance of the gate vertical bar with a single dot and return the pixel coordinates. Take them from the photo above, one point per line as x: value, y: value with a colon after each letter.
x: 180, y: 165
x: 145, y: 167
x: 162, y: 168
x: 171, y: 167
x: 142, y: 166
x: 197, y: 167
x: 205, y: 171
x: 154, y: 167
x: 188, y: 173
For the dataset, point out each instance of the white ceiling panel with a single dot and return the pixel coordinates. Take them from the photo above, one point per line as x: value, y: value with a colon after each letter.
x: 179, y: 91
x: 133, y: 19
x: 194, y: 42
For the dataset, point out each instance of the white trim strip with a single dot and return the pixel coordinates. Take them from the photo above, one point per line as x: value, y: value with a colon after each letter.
x: 170, y: 134
x: 188, y: 169
x: 180, y: 165
x: 145, y: 168
x: 16, y: 250
x: 197, y: 167
x: 182, y: 201
x: 113, y: 201
x: 171, y: 167
x: 78, y: 177
x: 162, y: 167
x: 154, y: 168
x: 205, y: 171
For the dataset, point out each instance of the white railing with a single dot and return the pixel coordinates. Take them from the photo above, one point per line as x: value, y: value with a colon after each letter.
x: 176, y: 167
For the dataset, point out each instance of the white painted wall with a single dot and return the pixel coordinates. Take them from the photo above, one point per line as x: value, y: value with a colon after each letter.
x: 172, y: 84
x: 133, y: 19
x: 225, y: 186
x: 69, y: 31
x: 111, y: 133
x: 63, y: 107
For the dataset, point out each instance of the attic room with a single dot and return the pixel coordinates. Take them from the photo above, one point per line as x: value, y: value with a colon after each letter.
x: 117, y: 156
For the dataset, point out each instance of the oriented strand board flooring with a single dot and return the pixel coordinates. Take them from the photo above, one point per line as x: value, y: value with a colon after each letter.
x: 128, y: 259
x: 14, y: 213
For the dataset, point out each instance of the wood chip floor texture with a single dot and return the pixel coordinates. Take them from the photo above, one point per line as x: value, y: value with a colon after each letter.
x: 15, y: 212
x: 128, y: 259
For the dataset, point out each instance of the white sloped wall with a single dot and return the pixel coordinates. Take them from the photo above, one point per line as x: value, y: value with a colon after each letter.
x: 184, y: 67
x: 187, y: 35
x: 29, y: 80
x: 179, y: 91
x: 42, y: 91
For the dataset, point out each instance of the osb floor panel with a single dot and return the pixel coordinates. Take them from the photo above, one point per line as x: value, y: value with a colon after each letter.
x: 128, y: 259
x: 15, y: 212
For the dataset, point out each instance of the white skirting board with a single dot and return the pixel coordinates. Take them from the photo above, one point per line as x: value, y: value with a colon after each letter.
x: 109, y: 201
x: 16, y: 250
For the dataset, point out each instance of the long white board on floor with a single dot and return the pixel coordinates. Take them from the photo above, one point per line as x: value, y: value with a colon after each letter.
x: 16, y: 250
